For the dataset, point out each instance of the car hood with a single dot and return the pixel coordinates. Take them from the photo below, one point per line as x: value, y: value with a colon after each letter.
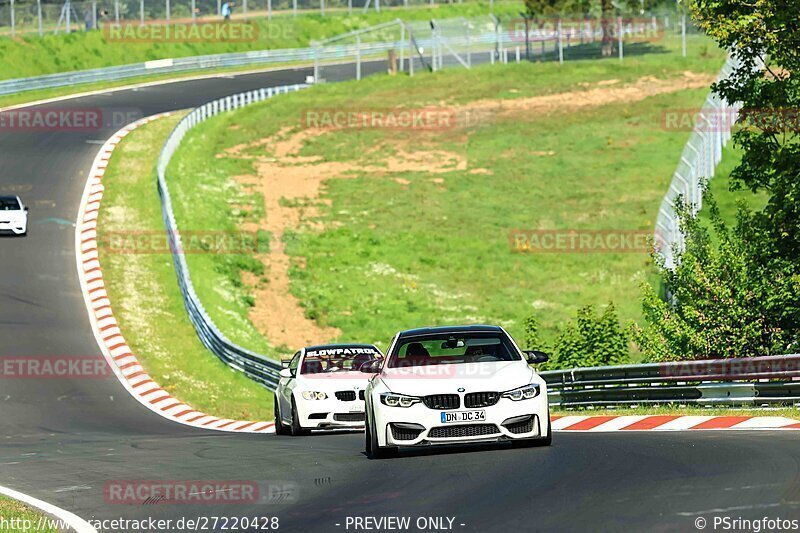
x: 332, y: 382
x: 448, y: 379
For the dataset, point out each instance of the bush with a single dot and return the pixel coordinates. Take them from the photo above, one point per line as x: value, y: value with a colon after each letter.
x: 590, y: 341
x: 725, y: 300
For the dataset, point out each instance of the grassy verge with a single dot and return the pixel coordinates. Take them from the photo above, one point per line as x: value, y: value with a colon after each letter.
x: 679, y: 410
x: 144, y: 292
x: 396, y: 253
x: 31, y: 55
x: 24, y: 518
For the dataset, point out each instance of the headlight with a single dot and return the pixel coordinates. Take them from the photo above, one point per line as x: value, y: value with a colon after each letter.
x: 523, y: 393
x: 314, y: 395
x: 398, y: 400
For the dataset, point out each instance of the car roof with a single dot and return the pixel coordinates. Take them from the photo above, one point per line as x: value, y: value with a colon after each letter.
x: 473, y: 328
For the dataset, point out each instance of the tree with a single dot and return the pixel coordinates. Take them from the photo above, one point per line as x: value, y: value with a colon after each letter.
x: 722, y: 303
x: 763, y: 36
x: 740, y: 298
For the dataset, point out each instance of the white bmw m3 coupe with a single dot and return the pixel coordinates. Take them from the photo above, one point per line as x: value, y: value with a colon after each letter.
x: 322, y: 388
x: 452, y: 385
x: 13, y: 215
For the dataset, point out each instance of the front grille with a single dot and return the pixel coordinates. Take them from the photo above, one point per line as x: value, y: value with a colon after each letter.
x: 346, y: 395
x: 481, y: 399
x: 361, y: 395
x: 441, y: 401
x: 318, y: 416
x: 467, y: 430
x: 525, y: 426
x: 404, y: 433
x: 349, y: 417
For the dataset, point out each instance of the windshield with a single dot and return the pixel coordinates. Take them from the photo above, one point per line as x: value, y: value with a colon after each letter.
x: 9, y: 204
x: 346, y: 359
x: 453, y: 349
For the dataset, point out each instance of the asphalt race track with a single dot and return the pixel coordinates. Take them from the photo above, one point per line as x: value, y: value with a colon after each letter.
x: 63, y: 440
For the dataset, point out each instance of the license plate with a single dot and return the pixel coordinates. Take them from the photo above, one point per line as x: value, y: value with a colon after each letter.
x: 449, y: 417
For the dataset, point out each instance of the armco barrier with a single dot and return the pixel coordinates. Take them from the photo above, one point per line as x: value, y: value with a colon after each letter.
x: 217, y: 61
x: 258, y: 367
x: 756, y: 381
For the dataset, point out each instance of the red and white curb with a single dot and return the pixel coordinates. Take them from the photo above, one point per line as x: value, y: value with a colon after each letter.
x: 109, y: 338
x: 670, y: 423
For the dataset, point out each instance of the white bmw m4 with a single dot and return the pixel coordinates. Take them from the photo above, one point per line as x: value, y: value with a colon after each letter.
x: 13, y: 215
x: 455, y: 384
x: 322, y: 388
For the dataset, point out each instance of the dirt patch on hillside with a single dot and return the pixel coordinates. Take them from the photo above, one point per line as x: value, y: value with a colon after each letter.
x: 292, y: 184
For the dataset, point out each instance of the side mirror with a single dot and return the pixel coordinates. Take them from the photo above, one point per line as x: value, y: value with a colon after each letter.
x: 285, y: 363
x: 536, y: 356
x: 286, y: 373
x: 372, y: 367
x: 26, y: 208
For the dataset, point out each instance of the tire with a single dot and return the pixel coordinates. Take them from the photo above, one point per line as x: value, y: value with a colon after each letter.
x: 368, y: 439
x: 297, y: 431
x: 374, y: 450
x: 280, y: 427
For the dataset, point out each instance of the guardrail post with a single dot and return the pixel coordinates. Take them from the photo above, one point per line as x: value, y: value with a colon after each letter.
x: 39, y: 16
x: 269, y: 9
x: 116, y: 11
x: 141, y: 12
x: 560, y: 45
x: 167, y: 8
x: 294, y: 8
x: 244, y: 9
x: 619, y: 28
x: 194, y: 11
x: 683, y: 35
x: 13, y: 20
x: 402, y: 47
x: 358, y: 57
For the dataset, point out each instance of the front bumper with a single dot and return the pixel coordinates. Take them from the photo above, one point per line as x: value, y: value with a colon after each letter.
x: 331, y: 413
x: 17, y: 228
x: 418, y: 425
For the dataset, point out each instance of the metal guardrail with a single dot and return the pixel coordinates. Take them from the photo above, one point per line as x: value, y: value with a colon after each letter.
x: 207, y: 62
x: 256, y: 366
x: 756, y: 381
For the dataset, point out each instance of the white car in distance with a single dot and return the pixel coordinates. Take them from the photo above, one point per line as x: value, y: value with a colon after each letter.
x: 13, y: 215
x: 322, y: 387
